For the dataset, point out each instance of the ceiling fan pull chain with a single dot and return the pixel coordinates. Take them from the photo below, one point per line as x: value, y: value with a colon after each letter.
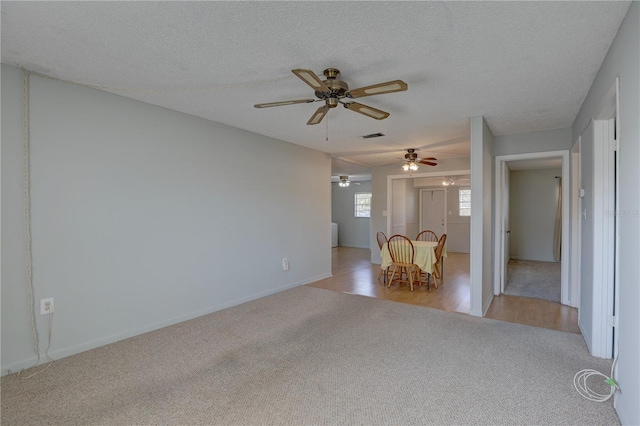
x: 326, y: 138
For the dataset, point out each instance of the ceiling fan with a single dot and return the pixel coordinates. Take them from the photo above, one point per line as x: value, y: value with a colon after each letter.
x: 332, y: 91
x: 345, y: 182
x: 411, y: 160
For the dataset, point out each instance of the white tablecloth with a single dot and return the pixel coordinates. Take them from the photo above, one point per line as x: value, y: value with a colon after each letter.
x: 424, y: 255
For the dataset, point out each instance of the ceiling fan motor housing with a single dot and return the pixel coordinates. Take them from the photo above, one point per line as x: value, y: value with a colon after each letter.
x: 331, y: 73
x: 338, y: 88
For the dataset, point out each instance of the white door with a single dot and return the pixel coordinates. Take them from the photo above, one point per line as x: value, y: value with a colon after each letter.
x: 432, y: 210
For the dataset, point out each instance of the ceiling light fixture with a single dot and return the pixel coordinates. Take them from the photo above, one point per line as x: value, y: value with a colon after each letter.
x: 447, y: 181
x: 344, y: 181
x: 410, y: 165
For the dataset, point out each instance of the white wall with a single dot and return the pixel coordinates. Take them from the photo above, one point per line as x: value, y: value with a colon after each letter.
x: 352, y: 231
x: 623, y: 60
x: 404, y: 208
x: 533, y: 205
x: 142, y: 218
x: 412, y: 210
x: 379, y: 193
x: 398, y: 209
x: 481, y: 216
x: 538, y: 141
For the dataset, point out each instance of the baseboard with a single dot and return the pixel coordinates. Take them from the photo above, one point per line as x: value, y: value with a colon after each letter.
x: 355, y: 246
x: 73, y: 350
x: 532, y: 260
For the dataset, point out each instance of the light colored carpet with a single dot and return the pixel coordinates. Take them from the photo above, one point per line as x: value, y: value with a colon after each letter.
x: 313, y: 356
x: 540, y: 280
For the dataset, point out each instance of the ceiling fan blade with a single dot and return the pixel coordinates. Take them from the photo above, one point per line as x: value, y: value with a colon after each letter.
x: 366, y: 110
x: 378, y: 89
x: 429, y: 158
x: 311, y: 79
x: 318, y: 115
x: 272, y: 104
x: 428, y: 163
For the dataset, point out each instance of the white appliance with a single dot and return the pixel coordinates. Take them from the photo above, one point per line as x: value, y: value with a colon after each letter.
x: 334, y: 235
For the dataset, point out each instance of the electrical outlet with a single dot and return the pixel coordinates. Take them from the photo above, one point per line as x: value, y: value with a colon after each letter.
x: 46, y: 306
x: 285, y: 264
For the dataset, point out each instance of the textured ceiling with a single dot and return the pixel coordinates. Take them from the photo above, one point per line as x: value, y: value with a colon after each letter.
x: 525, y: 66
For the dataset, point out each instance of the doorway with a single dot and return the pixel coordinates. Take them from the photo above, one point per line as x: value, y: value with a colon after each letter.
x: 401, y: 212
x: 503, y: 236
x: 397, y: 183
x: 533, y: 265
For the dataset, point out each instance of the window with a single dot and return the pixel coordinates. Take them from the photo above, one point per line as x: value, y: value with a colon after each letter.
x: 464, y: 201
x: 362, y: 204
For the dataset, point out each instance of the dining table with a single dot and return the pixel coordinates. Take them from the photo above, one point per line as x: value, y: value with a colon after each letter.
x: 424, y: 255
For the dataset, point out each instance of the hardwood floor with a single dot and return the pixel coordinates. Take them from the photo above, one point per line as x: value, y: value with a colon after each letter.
x: 354, y: 273
x: 536, y: 312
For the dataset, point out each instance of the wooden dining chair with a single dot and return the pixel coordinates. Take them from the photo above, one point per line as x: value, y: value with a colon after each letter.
x: 382, y: 239
x: 402, y: 257
x: 437, y: 266
x: 427, y: 235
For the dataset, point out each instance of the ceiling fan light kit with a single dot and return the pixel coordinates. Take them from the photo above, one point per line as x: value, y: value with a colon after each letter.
x: 411, y: 165
x: 448, y: 181
x: 332, y: 91
x: 411, y: 161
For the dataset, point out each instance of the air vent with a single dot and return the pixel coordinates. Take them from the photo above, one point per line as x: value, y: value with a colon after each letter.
x: 373, y: 135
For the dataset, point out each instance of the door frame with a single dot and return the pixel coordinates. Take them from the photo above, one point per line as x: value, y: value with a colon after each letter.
x: 444, y: 212
x: 604, y: 339
x: 576, y: 228
x: 502, y: 217
x: 391, y: 178
x: 501, y: 194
